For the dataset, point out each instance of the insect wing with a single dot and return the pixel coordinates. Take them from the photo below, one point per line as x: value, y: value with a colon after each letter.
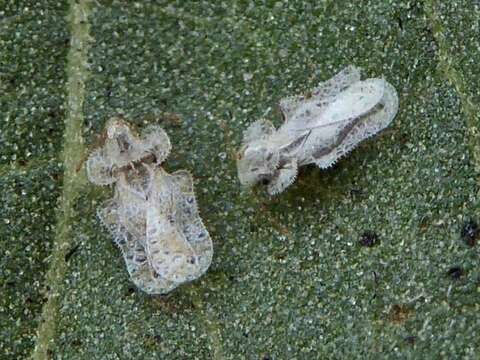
x: 141, y: 272
x: 322, y: 94
x: 99, y: 169
x: 169, y: 253
x: 190, y: 222
x: 258, y: 130
x: 355, y: 101
x: 364, y: 126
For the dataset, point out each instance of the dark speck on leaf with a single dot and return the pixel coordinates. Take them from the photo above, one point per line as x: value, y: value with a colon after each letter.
x: 354, y: 193
x: 400, y: 22
x: 157, y: 338
x: 411, y: 340
x: 76, y: 342
x: 369, y: 239
x: 70, y: 252
x: 470, y: 232
x: 455, y: 272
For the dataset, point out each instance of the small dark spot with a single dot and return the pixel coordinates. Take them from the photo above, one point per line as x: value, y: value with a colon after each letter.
x: 157, y: 338
x: 470, y: 232
x: 70, y: 252
x: 123, y: 143
x: 190, y: 200
x: 369, y: 239
x: 403, y: 138
x: 156, y: 275
x: 50, y: 354
x: 265, y: 181
x: 52, y: 113
x: 191, y: 260
x: 153, y: 158
x: 266, y: 357
x: 108, y: 91
x: 130, y: 290
x: 354, y: 193
x: 28, y: 300
x: 76, y: 342
x: 201, y: 235
x: 400, y: 22
x: 455, y: 272
x: 411, y: 340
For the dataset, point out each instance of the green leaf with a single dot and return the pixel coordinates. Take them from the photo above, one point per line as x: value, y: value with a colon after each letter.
x: 290, y: 278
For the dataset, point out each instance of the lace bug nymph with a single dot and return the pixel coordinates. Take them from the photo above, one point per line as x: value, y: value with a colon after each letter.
x: 153, y: 215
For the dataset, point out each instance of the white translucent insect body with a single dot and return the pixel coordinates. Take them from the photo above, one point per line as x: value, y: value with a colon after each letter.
x: 153, y: 215
x: 319, y: 128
